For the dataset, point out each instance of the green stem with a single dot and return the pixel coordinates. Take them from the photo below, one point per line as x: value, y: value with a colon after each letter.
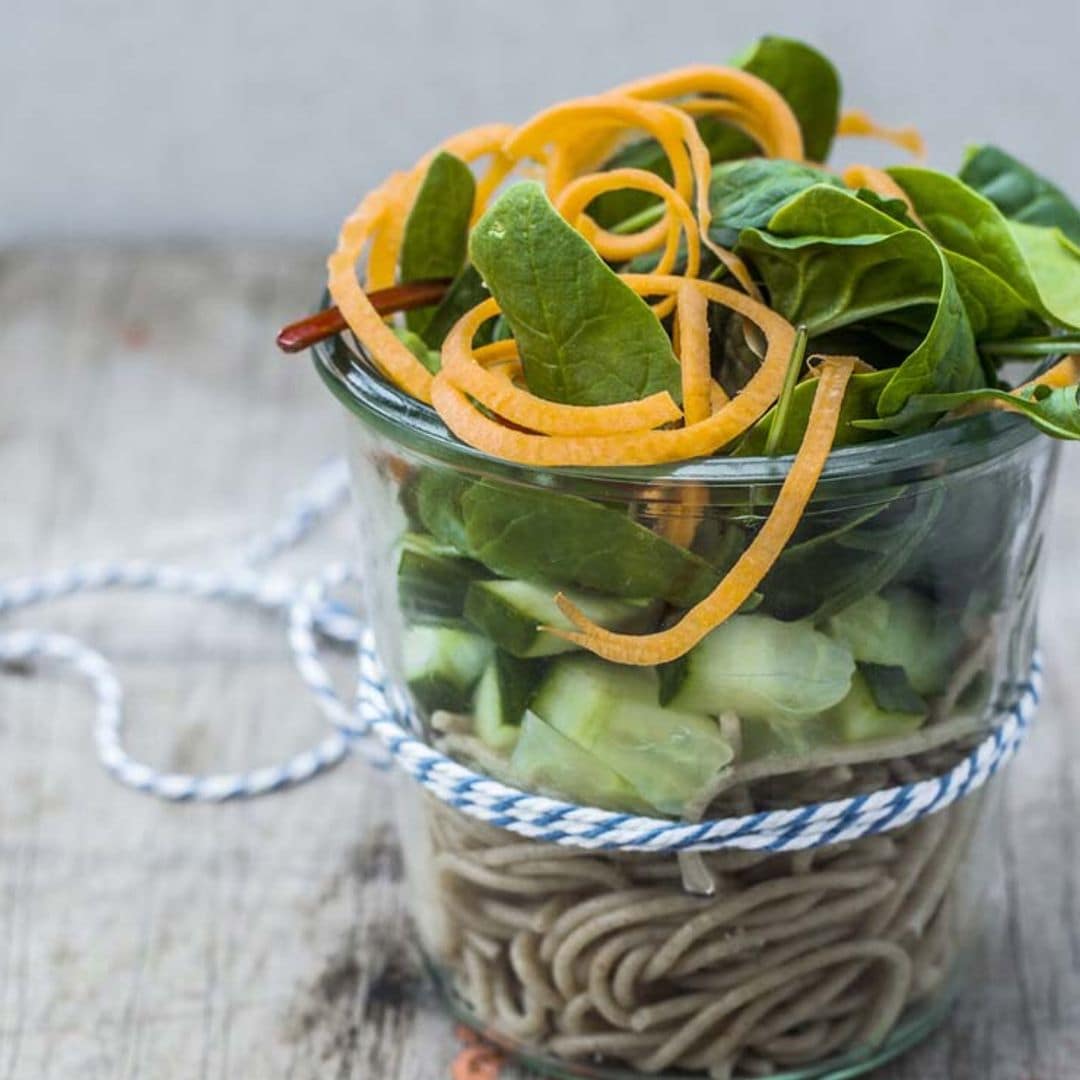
x: 791, y: 379
x: 641, y: 220
x: 1033, y: 346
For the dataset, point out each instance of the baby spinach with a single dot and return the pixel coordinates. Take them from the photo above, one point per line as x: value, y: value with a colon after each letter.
x: 584, y: 335
x: 437, y: 228
x: 835, y: 559
x: 829, y: 260
x: 465, y: 292
x: 1020, y: 193
x: 1035, y: 274
x: 1054, y: 263
x: 808, y: 82
x: 746, y: 194
x: 559, y: 539
x: 1054, y: 411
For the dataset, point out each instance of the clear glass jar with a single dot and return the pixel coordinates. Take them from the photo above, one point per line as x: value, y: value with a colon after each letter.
x: 875, y: 653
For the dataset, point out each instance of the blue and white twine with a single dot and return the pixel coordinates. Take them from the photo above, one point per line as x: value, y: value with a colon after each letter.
x: 382, y: 725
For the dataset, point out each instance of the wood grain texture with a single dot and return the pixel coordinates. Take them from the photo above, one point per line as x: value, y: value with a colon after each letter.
x: 143, y: 410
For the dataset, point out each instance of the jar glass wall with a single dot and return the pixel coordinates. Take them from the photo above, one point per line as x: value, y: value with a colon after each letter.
x: 876, y: 652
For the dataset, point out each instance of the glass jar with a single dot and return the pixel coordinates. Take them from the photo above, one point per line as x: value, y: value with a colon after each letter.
x: 876, y: 652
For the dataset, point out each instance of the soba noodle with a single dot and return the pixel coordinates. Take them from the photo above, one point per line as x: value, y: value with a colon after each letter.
x: 729, y: 963
x: 795, y: 957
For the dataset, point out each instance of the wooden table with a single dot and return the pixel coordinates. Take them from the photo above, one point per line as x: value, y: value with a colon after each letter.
x: 144, y: 411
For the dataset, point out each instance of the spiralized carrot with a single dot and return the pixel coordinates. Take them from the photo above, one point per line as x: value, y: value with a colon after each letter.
x: 754, y: 563
x: 776, y: 128
x: 641, y: 448
x: 1065, y: 372
x: 577, y: 195
x: 400, y: 190
x: 693, y: 323
x: 565, y: 128
x: 386, y: 350
x: 856, y: 122
x: 520, y: 407
x: 881, y: 183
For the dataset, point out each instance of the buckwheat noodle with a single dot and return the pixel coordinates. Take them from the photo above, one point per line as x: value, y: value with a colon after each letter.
x: 790, y: 959
x: 795, y: 957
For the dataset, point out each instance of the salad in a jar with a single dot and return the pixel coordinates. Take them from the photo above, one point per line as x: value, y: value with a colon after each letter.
x: 699, y: 478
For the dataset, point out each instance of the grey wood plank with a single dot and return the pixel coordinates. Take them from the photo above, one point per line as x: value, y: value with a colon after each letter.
x: 143, y: 411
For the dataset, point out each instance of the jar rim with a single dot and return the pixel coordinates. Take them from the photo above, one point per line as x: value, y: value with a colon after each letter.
x: 948, y: 448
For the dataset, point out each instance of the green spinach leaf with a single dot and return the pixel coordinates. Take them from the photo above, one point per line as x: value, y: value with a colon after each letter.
x: 559, y: 539
x: 746, y: 194
x: 437, y: 229
x: 465, y: 292
x: 829, y: 260
x: 584, y: 335
x: 1020, y: 193
x: 1054, y: 411
x: 1007, y: 288
x: 836, y: 558
x: 1054, y: 263
x: 806, y: 79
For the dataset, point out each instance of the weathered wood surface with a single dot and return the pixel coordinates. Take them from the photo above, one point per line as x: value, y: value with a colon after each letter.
x: 143, y: 411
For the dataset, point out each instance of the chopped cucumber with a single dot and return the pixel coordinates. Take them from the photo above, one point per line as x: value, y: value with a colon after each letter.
x: 612, y: 712
x: 502, y: 696
x: 761, y: 668
x: 903, y: 629
x: 433, y: 580
x: 545, y: 761
x: 512, y: 612
x: 442, y: 664
x: 874, y: 709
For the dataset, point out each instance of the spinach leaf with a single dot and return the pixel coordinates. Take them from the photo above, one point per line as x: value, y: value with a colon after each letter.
x: 1018, y: 192
x: 746, y: 194
x: 982, y: 246
x: 559, y: 539
x: 465, y: 292
x: 437, y: 229
x: 1054, y: 263
x: 830, y: 260
x: 584, y: 335
x: 860, y: 399
x: 808, y: 82
x: 806, y: 79
x: 1054, y: 411
x: 836, y: 559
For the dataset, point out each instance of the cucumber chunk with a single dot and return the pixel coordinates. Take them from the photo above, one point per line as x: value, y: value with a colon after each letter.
x: 512, y: 612
x: 761, y: 668
x: 502, y: 696
x: 550, y: 763
x: 668, y: 756
x: 900, y: 628
x: 433, y: 580
x: 873, y: 708
x: 442, y: 665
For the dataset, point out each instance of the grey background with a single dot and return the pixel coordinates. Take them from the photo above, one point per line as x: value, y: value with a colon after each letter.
x: 235, y: 119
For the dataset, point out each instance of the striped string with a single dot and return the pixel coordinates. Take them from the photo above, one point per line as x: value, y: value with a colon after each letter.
x: 382, y: 725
